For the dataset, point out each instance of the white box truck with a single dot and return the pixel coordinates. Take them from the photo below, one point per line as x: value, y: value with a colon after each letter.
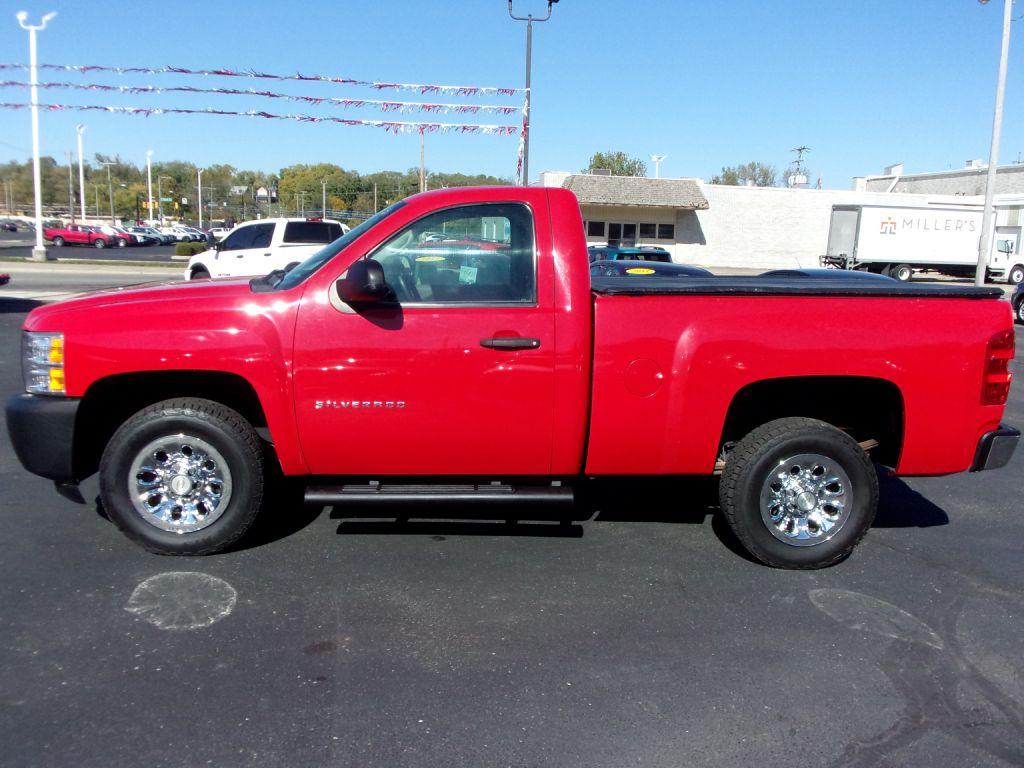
x: 897, y: 241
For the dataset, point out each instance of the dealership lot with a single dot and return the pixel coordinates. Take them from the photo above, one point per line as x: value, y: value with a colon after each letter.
x: 636, y: 635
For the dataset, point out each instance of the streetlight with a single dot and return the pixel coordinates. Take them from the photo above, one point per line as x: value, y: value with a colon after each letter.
x: 323, y: 183
x: 149, y: 182
x: 657, y: 160
x: 984, y: 244
x: 110, y: 190
x: 526, y: 107
x: 79, y: 129
x: 160, y: 196
x: 39, y: 251
x: 71, y: 190
x: 199, y: 173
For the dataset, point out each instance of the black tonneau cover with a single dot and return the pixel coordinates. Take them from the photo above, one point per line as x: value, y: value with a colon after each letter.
x: 782, y: 286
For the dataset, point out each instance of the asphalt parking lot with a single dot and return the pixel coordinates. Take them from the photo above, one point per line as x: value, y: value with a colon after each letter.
x: 636, y: 636
x: 18, y: 245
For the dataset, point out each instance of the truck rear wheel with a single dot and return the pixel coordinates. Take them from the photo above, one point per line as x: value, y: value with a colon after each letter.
x: 183, y: 477
x: 799, y: 493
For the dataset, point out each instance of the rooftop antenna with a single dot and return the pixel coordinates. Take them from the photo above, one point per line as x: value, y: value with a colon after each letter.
x: 656, y: 159
x: 798, y: 175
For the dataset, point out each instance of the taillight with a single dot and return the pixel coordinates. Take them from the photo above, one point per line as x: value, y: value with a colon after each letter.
x: 995, y: 384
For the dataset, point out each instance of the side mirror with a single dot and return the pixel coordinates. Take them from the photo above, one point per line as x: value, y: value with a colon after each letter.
x: 364, y: 283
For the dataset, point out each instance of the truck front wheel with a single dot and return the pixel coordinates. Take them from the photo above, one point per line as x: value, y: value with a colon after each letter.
x: 799, y: 493
x: 1015, y: 274
x: 183, y: 477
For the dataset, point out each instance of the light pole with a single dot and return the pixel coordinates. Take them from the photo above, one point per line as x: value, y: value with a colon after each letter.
x: 71, y: 190
x: 657, y: 160
x: 423, y: 176
x: 529, y: 60
x: 199, y: 173
x: 39, y: 251
x: 110, y: 190
x: 984, y: 244
x: 79, y: 129
x: 149, y: 183
x: 160, y: 196
x: 323, y: 183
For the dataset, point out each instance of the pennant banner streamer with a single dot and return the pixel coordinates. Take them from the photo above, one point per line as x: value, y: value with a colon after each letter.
x: 383, y: 106
x: 391, y: 126
x: 455, y: 90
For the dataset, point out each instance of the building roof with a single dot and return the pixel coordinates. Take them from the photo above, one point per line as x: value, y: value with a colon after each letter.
x: 637, y: 190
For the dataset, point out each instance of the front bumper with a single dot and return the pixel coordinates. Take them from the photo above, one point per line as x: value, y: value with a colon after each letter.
x: 995, y: 448
x: 42, y: 430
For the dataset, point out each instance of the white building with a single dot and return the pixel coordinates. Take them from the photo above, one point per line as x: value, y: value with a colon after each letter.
x: 728, y: 226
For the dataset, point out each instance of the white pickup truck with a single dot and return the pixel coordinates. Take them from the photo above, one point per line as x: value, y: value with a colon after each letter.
x: 261, y: 246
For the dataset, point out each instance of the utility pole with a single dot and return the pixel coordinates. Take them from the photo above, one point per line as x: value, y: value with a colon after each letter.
x: 199, y: 174
x: 96, y: 192
x: 375, y: 197
x: 110, y: 191
x: 81, y: 169
x: 529, y: 61
x: 39, y: 251
x: 149, y: 183
x: 423, y: 175
x: 302, y: 197
x: 657, y: 160
x: 160, y: 196
x: 323, y: 183
x: 71, y: 190
x: 988, y: 215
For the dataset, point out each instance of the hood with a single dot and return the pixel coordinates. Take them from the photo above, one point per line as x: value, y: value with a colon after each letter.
x: 200, y: 293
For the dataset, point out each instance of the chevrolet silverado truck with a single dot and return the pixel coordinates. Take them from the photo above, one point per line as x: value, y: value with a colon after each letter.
x: 454, y: 350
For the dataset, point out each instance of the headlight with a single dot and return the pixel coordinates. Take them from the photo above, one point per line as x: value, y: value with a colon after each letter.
x: 42, y: 362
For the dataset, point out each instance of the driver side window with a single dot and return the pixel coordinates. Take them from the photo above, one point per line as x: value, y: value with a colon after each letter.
x: 239, y: 239
x: 474, y: 254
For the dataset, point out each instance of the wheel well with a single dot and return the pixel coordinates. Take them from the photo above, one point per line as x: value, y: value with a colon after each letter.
x: 197, y: 266
x: 866, y: 408
x: 109, y: 402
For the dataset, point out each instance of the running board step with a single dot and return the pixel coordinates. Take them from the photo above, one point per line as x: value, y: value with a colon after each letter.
x: 467, y: 494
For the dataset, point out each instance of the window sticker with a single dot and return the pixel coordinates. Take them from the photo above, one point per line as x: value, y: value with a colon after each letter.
x: 467, y: 275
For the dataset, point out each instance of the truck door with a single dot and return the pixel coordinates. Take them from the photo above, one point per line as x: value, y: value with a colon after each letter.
x: 457, y: 376
x: 241, y: 252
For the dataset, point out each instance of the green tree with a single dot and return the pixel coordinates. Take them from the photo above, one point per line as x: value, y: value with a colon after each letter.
x: 619, y: 163
x: 760, y: 174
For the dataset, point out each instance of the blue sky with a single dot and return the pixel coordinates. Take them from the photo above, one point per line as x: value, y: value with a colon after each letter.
x: 864, y: 84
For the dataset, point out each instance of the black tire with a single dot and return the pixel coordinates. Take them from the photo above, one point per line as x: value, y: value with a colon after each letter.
x: 219, y: 426
x: 902, y: 272
x: 121, y: 242
x: 750, y: 464
x: 100, y: 243
x: 199, y: 274
x: 1015, y: 274
x: 58, y: 242
x: 1018, y: 312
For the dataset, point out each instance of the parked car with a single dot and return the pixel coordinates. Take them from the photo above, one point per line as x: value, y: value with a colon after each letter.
x: 514, y: 371
x: 640, y: 268
x: 178, y: 233
x: 78, y: 234
x: 219, y: 233
x: 261, y: 246
x: 640, y: 253
x: 1017, y: 302
x: 151, y: 235
x: 8, y: 226
x: 5, y: 279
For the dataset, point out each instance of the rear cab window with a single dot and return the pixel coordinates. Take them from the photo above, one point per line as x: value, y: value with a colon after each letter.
x: 311, y: 232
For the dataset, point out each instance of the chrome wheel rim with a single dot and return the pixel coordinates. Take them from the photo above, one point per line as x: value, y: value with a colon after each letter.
x: 1020, y: 311
x: 179, y: 483
x: 806, y: 499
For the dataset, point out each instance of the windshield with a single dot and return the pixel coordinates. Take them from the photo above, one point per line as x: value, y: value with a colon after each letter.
x: 328, y: 252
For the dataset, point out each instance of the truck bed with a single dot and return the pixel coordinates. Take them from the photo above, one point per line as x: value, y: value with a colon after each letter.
x: 783, y: 286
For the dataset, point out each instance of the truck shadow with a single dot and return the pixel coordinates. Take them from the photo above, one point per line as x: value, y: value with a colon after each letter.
x: 672, y: 500
x: 13, y: 305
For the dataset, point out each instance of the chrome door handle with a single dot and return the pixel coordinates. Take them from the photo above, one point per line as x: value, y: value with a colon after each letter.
x: 509, y: 343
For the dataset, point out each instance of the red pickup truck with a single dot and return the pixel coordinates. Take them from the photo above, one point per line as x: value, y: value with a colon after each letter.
x: 454, y: 349
x: 81, y: 234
